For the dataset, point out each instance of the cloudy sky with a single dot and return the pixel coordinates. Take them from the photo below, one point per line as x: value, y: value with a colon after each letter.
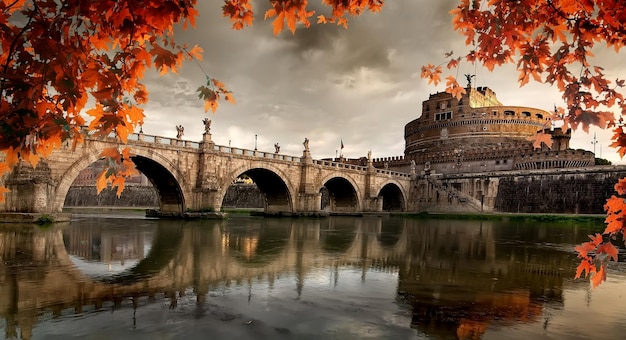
x: 360, y: 85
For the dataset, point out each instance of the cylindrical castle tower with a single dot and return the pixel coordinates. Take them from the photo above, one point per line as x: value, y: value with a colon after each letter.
x: 476, y: 133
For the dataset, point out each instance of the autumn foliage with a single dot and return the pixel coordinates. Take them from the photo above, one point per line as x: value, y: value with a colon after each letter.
x: 553, y: 42
x: 57, y: 55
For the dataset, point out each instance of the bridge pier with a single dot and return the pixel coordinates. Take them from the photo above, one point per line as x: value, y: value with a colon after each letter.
x: 309, y: 198
x: 309, y: 202
x: 31, y: 189
x: 32, y: 194
x: 373, y: 204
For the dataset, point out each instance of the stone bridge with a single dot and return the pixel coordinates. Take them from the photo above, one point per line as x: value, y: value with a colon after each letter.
x: 194, y: 176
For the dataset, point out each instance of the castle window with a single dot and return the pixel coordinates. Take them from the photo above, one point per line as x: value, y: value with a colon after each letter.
x: 443, y: 116
x: 539, y: 115
x: 509, y: 113
x: 525, y: 113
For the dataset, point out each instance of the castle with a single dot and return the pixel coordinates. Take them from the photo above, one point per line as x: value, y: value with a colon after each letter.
x: 476, y: 133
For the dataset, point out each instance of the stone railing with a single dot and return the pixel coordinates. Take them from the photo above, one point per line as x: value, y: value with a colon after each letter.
x: 255, y: 153
x: 151, y: 139
x: 340, y: 165
x: 159, y: 140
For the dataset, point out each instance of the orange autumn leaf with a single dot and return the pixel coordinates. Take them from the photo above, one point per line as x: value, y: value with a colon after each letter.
x: 614, y: 224
x: 584, y: 267
x: 122, y: 133
x: 210, y: 105
x: 453, y: 87
x: 278, y: 23
x: 599, y: 276
x: 4, y: 167
x: 596, y: 239
x: 585, y: 248
x: 620, y: 187
x: 196, y: 52
x: 609, y: 249
x: 112, y: 153
x: 101, y: 181
x: 541, y: 138
x: 614, y: 204
x: 432, y: 73
x: 164, y: 59
x: 118, y: 182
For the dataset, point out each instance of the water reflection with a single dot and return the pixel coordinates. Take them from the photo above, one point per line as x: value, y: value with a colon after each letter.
x: 444, y: 279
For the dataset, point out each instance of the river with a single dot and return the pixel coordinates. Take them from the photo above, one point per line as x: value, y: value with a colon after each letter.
x: 121, y: 276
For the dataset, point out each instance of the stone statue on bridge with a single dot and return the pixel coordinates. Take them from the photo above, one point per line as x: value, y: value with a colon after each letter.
x: 207, y: 125
x: 277, y: 147
x: 180, y: 131
x: 306, y: 144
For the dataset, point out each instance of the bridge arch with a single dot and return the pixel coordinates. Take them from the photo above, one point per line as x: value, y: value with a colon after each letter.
x: 394, y: 198
x: 171, y: 185
x: 273, y: 183
x: 344, y: 193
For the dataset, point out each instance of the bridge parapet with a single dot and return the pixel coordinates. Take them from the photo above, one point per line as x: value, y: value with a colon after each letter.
x: 255, y: 153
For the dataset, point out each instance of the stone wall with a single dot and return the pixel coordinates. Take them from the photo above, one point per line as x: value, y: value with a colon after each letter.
x: 132, y: 196
x: 239, y: 196
x: 559, y: 193
x: 243, y: 196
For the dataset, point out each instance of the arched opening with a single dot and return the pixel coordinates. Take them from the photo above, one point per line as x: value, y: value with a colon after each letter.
x: 168, y: 190
x: 156, y: 186
x: 392, y: 198
x: 339, y: 196
x: 263, y: 184
x: 243, y: 194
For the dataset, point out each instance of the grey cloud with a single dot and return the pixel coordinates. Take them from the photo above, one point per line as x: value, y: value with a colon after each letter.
x: 325, y: 82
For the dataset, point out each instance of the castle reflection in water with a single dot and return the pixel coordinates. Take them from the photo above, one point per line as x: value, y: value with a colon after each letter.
x: 456, y: 277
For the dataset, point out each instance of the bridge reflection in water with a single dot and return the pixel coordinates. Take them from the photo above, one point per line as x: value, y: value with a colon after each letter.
x: 454, y: 278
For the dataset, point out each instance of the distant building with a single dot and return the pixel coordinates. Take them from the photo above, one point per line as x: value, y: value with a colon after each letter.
x: 476, y: 133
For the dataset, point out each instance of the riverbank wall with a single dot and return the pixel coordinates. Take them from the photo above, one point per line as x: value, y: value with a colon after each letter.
x: 237, y: 196
x: 553, y: 191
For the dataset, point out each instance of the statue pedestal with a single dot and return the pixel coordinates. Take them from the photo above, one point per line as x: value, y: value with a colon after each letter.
x: 207, y: 143
x: 206, y: 137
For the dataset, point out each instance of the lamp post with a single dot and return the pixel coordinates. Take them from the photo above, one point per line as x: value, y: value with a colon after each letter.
x: 255, y: 140
x: 594, y: 142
